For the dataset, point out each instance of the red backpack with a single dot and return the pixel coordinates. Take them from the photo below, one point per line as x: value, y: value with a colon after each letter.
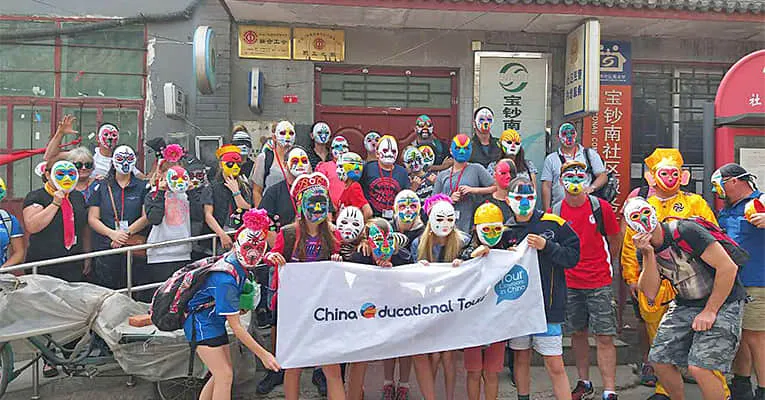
x: 739, y: 256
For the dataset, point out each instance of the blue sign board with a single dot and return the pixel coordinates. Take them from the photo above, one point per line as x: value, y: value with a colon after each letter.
x: 615, y: 62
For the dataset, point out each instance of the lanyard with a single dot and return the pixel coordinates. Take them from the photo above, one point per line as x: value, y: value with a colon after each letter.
x: 459, y: 178
x: 122, y: 206
x: 380, y: 171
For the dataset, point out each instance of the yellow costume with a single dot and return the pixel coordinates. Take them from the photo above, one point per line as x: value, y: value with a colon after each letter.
x: 665, y: 171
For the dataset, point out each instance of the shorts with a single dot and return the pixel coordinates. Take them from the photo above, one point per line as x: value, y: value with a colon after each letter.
x: 591, y: 309
x: 549, y: 343
x: 214, y: 342
x: 483, y: 358
x: 676, y: 343
x: 754, y: 310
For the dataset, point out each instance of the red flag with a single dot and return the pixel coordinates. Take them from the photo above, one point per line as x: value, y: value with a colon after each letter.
x: 17, y: 155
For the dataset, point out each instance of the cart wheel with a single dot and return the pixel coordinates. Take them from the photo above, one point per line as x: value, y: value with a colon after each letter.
x: 6, y: 366
x: 180, y: 389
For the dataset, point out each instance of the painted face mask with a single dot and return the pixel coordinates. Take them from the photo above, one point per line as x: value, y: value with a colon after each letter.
x: 510, y: 142
x: 574, y: 179
x: 230, y: 160
x: 285, y: 134
x: 407, y: 206
x: 370, y: 141
x: 413, y: 159
x: 350, y: 166
x: 640, y: 216
x: 315, y: 204
x: 442, y: 218
x: 297, y: 162
x: 423, y: 126
x: 381, y: 242
x: 242, y: 140
x: 461, y: 148
x: 567, y: 134
x: 250, y: 240
x: 668, y: 178
x: 339, y: 147
x: 428, y: 157
x: 3, y: 189
x: 503, y: 174
x: 123, y: 159
x: 350, y: 222
x: 177, y: 179
x: 665, y: 170
x: 321, y: 132
x: 483, y: 119
x: 718, y: 186
x: 489, y: 225
x: 387, y: 150
x: 522, y: 200
x: 197, y: 178
x: 108, y: 135
x: 64, y: 176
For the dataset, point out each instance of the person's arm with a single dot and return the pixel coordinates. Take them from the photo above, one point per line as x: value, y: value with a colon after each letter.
x: 649, y: 281
x: 53, y: 150
x: 725, y: 276
x: 258, y: 179
x: 94, y: 220
x: 366, y: 210
x: 565, y: 249
x: 546, y: 194
x: 547, y: 178
x: 154, y: 207
x: 268, y: 359
x: 598, y: 169
x: 36, y: 217
x: 703, y: 211
x: 225, y: 240
x: 533, y: 178
x: 448, y: 162
x: 18, y: 252
x: 233, y: 185
x: 600, y: 180
x: 139, y: 225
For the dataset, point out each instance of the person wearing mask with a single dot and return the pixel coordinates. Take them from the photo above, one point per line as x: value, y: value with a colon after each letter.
x: 702, y: 327
x: 486, y: 147
x: 83, y: 161
x: 350, y: 168
x: 227, y: 193
x: 382, y: 179
x: 242, y: 139
x: 197, y: 185
x: 12, y: 249
x: 426, y: 136
x: 557, y: 248
x: 319, y: 151
x: 370, y: 145
x: 329, y: 169
x: 743, y: 219
x: 510, y: 143
x: 464, y: 182
x: 421, y: 178
x: 589, y: 307
x: 504, y: 173
x: 269, y: 166
x: 116, y: 215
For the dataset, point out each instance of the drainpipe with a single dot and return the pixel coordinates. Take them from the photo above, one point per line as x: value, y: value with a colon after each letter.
x: 708, y: 135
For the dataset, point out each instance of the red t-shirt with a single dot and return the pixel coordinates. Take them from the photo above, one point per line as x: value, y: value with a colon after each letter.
x: 336, y: 186
x: 594, y: 268
x: 352, y: 196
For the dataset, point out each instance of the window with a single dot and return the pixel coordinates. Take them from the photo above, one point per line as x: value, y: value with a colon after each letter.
x: 651, y: 110
x: 697, y: 86
x: 27, y: 67
x: 367, y: 90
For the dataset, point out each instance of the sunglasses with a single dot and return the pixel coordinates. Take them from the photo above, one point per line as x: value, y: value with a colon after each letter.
x: 83, y: 165
x: 231, y: 164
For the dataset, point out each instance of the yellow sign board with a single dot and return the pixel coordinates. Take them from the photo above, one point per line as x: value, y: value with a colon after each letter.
x: 326, y: 45
x: 265, y: 42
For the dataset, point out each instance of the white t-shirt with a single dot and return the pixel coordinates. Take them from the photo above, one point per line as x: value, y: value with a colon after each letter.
x: 176, y: 224
x: 103, y: 164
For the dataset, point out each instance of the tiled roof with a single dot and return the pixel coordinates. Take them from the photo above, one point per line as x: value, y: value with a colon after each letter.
x: 726, y: 6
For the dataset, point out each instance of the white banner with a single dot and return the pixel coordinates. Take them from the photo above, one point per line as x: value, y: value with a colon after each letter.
x: 333, y: 312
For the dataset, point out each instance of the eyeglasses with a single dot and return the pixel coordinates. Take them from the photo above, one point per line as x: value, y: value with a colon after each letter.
x: 83, y: 165
x: 231, y: 164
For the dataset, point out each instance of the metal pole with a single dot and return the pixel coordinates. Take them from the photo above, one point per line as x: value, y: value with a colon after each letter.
x: 215, y: 246
x: 708, y: 135
x: 130, y: 274
x: 36, y: 380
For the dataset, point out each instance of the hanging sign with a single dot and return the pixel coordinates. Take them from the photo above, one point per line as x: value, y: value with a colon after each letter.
x: 582, y: 70
x: 272, y: 42
x: 326, y: 45
x: 204, y: 59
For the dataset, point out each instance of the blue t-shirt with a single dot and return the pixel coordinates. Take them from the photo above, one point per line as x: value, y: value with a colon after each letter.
x: 224, y: 290
x: 381, y: 187
x: 748, y: 236
x: 5, y: 236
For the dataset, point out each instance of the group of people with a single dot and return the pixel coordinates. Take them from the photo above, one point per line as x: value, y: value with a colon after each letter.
x: 426, y: 203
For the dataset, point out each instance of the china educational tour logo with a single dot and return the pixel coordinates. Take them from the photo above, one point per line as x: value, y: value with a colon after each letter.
x: 513, y: 285
x: 368, y: 310
x: 513, y: 77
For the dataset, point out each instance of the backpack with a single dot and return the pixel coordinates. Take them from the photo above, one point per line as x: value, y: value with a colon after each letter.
x: 609, y: 190
x: 597, y: 213
x: 739, y: 256
x: 269, y: 161
x: 169, y: 305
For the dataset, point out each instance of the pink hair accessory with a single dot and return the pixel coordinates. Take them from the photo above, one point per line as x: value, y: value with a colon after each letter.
x: 430, y: 201
x: 256, y: 219
x: 173, y: 152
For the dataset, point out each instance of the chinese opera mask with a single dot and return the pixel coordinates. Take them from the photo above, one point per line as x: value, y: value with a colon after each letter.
x: 640, y: 215
x: 665, y: 170
x: 510, y: 142
x: 297, y: 162
x: 461, y: 148
x: 387, y: 150
x: 350, y: 222
x: 522, y: 199
x: 573, y: 176
x: 123, y: 159
x: 178, y: 180
x: 108, y: 135
x: 489, y: 224
x: 285, y: 134
x: 230, y: 157
x: 483, y: 119
x: 380, y: 240
x: 428, y: 156
x: 311, y: 194
x: 406, y: 206
x: 320, y: 132
x: 504, y: 172
x: 423, y: 126
x: 370, y: 142
x: 350, y: 166
x: 339, y: 147
x: 413, y: 160
x: 64, y: 175
x: 250, y: 239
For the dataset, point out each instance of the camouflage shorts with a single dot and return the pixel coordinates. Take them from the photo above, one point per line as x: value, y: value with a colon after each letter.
x: 591, y: 309
x: 676, y: 343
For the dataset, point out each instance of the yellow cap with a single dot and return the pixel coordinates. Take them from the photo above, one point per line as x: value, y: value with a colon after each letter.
x: 225, y: 149
x: 487, y: 213
x: 510, y: 135
x: 664, y: 157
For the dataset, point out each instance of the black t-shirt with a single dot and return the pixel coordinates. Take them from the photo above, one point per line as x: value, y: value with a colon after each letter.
x: 49, y: 242
x: 247, y: 167
x: 218, y: 195
x: 440, y: 150
x: 277, y: 202
x: 315, y: 159
x: 485, y: 155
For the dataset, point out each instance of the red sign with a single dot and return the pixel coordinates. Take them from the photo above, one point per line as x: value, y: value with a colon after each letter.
x: 290, y: 98
x: 610, y: 133
x: 741, y: 90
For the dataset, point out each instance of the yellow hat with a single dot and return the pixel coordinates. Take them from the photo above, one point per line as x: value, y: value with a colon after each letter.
x: 510, y: 135
x: 487, y: 213
x: 572, y: 164
x: 662, y: 157
x: 225, y: 149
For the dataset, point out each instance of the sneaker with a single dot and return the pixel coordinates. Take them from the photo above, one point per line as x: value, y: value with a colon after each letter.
x: 270, y: 381
x: 611, y: 396
x: 582, y: 391
x: 50, y: 371
x: 388, y: 392
x: 648, y: 376
x: 759, y: 394
x: 402, y: 393
x: 320, y: 381
x: 658, y: 396
x: 263, y: 318
x: 741, y: 389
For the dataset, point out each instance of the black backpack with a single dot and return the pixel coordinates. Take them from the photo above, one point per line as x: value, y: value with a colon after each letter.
x: 609, y: 190
x: 169, y: 307
x: 267, y: 164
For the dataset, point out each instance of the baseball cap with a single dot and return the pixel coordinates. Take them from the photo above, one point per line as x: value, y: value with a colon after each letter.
x: 733, y: 170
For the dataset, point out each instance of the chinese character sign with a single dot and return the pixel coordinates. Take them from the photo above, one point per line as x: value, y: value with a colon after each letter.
x: 615, y: 63
x: 319, y: 44
x: 265, y: 42
x: 580, y: 90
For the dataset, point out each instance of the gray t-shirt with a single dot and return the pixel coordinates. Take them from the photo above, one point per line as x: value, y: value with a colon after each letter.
x: 551, y: 170
x: 474, y: 175
x: 275, y: 176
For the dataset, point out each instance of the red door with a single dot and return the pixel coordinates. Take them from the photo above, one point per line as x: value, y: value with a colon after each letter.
x: 356, y: 100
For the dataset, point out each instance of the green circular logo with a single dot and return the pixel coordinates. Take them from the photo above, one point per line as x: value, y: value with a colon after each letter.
x: 513, y: 77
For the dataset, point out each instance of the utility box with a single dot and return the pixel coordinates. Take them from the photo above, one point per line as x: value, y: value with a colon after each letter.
x: 255, y: 100
x: 175, y: 101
